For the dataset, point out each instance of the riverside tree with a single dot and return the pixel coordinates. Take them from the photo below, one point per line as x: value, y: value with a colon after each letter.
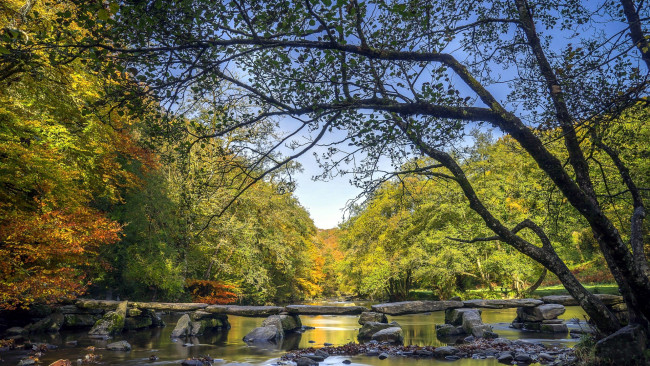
x: 390, y: 80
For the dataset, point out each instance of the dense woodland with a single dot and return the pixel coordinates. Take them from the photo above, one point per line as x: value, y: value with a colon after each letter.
x: 147, y: 150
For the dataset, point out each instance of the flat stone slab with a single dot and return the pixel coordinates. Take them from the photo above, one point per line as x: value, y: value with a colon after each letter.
x: 253, y: 311
x: 415, y: 307
x: 568, y: 300
x: 169, y: 306
x: 162, y: 306
x: 97, y: 304
x: 502, y: 304
x: 325, y: 310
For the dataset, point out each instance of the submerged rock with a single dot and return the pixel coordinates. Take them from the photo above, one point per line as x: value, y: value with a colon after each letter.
x: 119, y: 346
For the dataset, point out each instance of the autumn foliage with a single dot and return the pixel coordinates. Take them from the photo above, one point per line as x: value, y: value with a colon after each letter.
x: 212, y: 292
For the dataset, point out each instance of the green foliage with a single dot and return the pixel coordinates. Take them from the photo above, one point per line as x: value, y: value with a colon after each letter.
x: 63, y: 150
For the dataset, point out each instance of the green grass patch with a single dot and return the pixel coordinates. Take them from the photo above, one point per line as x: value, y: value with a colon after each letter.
x: 596, y: 288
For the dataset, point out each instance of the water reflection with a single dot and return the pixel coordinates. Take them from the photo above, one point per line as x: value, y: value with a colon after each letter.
x: 337, y: 330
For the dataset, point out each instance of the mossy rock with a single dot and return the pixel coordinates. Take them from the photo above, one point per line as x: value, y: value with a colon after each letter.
x: 111, y: 324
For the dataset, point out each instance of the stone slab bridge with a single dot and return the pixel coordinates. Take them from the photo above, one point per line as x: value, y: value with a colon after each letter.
x: 395, y: 308
x: 107, y: 318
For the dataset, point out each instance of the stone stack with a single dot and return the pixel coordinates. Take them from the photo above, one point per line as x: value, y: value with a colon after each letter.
x: 113, y: 322
x: 381, y: 332
x: 274, y: 328
x: 74, y: 317
x: 542, y: 318
x: 467, y: 321
x: 370, y: 316
x: 198, y: 322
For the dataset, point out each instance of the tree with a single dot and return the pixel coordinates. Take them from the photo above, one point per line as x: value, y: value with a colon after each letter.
x: 406, y: 79
x: 63, y: 153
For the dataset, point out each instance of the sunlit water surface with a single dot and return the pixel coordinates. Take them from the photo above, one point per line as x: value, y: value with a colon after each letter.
x: 228, y: 346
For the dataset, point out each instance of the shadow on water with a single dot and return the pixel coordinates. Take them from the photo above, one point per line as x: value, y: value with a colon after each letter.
x: 419, y: 329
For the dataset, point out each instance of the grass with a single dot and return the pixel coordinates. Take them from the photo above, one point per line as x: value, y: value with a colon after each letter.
x: 596, y: 288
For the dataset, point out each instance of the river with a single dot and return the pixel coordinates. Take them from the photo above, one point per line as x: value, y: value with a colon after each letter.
x: 228, y: 346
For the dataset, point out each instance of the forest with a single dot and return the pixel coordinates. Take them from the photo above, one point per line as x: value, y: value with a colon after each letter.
x: 148, y: 148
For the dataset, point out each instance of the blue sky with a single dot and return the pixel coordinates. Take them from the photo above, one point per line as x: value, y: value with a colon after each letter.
x: 325, y: 201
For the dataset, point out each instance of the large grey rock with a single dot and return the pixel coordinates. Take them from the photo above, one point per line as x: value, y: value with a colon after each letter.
x: 183, y: 327
x: 325, y: 310
x: 119, y: 346
x: 198, y: 322
x: 369, y: 316
x: 455, y: 316
x: 539, y: 313
x: 286, y: 323
x: 390, y: 335
x: 254, y: 311
x: 268, y: 334
x: 415, y: 307
x: 502, y: 304
x: 371, y: 328
x: 471, y: 320
x: 624, y: 347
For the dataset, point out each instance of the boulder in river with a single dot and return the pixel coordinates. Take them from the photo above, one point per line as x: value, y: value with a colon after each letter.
x: 370, y: 328
x: 455, y: 316
x: 390, y: 335
x: 448, y: 330
x: 286, y: 323
x: 119, y: 346
x: 473, y: 324
x: 370, y: 316
x: 267, y: 334
x: 183, y: 327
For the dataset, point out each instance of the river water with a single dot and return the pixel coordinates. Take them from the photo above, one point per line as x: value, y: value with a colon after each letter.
x: 228, y: 346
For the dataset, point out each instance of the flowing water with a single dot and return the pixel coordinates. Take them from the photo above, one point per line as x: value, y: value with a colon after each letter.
x: 228, y: 346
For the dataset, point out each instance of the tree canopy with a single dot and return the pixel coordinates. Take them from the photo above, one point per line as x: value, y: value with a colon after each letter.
x: 228, y: 94
x: 405, y: 80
